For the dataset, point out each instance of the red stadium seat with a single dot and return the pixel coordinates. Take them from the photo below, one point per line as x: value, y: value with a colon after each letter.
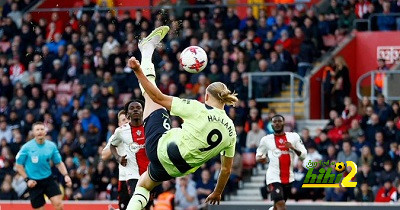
x: 249, y: 160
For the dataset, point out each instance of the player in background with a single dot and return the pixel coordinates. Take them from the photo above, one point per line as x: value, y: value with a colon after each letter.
x: 33, y: 163
x: 281, y: 148
x: 206, y: 132
x: 106, y: 154
x: 131, y: 136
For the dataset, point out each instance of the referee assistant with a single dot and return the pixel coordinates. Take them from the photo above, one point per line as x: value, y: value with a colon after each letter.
x: 33, y: 163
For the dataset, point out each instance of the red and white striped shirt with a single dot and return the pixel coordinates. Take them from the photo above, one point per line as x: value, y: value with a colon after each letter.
x: 133, y: 139
x: 281, y: 159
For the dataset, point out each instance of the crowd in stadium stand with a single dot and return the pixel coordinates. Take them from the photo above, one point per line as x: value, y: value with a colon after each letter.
x: 73, y: 76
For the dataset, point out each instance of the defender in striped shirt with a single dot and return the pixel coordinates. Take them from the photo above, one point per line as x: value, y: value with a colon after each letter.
x: 130, y: 140
x: 280, y: 148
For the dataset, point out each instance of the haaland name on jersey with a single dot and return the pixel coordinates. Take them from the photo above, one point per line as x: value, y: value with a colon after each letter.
x: 213, y: 118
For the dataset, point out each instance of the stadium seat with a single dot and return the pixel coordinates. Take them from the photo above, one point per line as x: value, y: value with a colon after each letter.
x: 249, y: 160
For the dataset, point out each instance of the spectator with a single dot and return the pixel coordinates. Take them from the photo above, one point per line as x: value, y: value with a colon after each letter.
x: 186, y: 196
x: 204, y: 186
x: 254, y: 136
x: 323, y: 143
x: 6, y: 88
x: 362, y: 106
x: 351, y: 115
x: 395, y: 110
x: 385, y: 21
x: 5, y: 132
x: 382, y: 108
x: 16, y: 71
x: 335, y: 134
x: 365, y: 194
x: 55, y: 44
x: 396, y: 196
x: 26, y: 77
x: 299, y: 175
x: 355, y: 130
x: 334, y: 8
x: 385, y: 193
x: 379, y: 78
x: 360, y: 145
x: 346, y: 19
x: 275, y: 65
x: 347, y: 154
x: 86, y: 191
x: 20, y: 186
x: 7, y: 192
x: 391, y: 133
x: 367, y: 176
x: 371, y: 127
x: 388, y: 172
x: 336, y: 194
x: 89, y: 119
x: 379, y: 159
x: 254, y: 116
x: 15, y: 14
x: 306, y: 138
x: 312, y: 155
x: 166, y: 199
x: 342, y: 84
x: 362, y: 8
x: 283, y: 52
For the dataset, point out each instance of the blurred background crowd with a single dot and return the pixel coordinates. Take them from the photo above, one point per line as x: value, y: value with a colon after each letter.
x: 73, y: 77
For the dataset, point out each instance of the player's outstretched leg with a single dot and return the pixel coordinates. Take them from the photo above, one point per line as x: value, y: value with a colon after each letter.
x: 147, y: 47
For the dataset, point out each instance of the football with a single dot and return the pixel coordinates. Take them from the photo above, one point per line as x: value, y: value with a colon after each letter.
x: 339, y: 167
x: 193, y: 59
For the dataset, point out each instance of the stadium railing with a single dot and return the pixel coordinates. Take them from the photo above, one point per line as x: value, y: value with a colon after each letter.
x: 391, y: 85
x: 367, y: 24
x: 293, y: 94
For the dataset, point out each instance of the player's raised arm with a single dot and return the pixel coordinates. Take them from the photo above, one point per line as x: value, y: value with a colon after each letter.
x: 226, y: 167
x: 152, y: 91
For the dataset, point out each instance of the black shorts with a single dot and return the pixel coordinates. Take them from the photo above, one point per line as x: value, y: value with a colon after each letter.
x: 43, y: 187
x: 279, y: 191
x: 155, y: 125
